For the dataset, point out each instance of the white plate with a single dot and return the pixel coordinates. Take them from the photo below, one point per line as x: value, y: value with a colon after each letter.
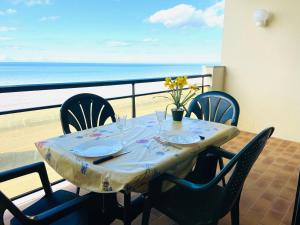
x: 181, y: 139
x: 98, y: 148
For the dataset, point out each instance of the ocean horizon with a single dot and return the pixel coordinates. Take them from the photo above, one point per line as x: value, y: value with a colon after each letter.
x: 18, y: 73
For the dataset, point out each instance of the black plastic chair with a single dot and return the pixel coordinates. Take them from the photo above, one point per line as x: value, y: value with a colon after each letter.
x: 84, y: 111
x: 198, y: 204
x: 215, y: 106
x: 296, y: 214
x: 55, y: 208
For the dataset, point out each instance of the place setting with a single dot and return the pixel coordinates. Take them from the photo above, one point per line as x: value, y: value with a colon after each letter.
x: 103, y: 149
x: 167, y: 132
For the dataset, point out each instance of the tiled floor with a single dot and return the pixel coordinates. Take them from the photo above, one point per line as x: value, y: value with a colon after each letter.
x: 269, y: 191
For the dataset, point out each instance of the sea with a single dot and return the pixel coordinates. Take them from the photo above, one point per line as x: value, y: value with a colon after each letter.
x: 13, y: 73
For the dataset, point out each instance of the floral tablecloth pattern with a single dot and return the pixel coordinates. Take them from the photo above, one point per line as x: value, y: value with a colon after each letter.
x: 148, y: 156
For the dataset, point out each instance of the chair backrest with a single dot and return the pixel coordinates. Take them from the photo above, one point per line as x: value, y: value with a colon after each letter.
x: 242, y: 163
x: 84, y: 111
x: 215, y: 106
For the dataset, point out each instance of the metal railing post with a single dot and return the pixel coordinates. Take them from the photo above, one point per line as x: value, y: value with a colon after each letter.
x: 133, y: 101
x: 202, y: 85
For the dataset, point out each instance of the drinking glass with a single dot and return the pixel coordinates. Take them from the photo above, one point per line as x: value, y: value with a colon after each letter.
x: 121, y: 124
x: 160, y: 116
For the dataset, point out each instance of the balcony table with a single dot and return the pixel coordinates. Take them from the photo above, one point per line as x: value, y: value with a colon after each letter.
x: 148, y: 156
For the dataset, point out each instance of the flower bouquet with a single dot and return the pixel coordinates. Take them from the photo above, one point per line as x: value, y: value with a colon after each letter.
x: 177, y: 95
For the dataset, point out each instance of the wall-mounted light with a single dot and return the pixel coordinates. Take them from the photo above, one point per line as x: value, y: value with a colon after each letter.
x: 261, y: 17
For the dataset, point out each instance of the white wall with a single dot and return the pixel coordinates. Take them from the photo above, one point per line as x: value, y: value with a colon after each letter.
x: 262, y: 65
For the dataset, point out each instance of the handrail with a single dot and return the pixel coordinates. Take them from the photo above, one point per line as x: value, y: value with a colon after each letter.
x: 56, y: 86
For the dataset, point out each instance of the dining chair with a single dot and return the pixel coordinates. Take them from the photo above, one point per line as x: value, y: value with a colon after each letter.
x: 191, y: 203
x: 54, y: 208
x: 214, y: 106
x: 84, y: 111
x: 296, y: 214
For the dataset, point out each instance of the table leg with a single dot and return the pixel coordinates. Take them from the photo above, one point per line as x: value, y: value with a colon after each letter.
x: 127, y: 209
x: 109, y: 207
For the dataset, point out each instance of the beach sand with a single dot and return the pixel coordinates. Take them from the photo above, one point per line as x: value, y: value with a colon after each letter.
x: 19, y: 132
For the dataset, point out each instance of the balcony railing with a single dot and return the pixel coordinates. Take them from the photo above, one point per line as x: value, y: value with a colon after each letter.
x: 203, y: 82
x: 57, y: 86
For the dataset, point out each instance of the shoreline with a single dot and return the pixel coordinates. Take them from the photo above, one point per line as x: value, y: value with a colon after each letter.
x: 23, y: 100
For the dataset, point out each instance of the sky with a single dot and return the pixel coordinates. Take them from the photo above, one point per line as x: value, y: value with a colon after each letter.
x: 111, y: 31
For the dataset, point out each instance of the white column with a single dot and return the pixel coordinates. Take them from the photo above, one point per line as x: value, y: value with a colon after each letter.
x: 218, y: 75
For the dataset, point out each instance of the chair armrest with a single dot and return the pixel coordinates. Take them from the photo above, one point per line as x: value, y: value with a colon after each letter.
x: 201, y: 187
x: 221, y: 152
x: 38, y: 167
x: 64, y: 209
x: 185, y: 183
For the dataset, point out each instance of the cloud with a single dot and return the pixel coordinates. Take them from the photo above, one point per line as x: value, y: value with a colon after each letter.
x: 6, y: 38
x: 126, y: 43
x: 32, y: 2
x: 3, y: 57
x: 49, y: 18
x: 117, y: 44
x: 184, y: 15
x: 150, y: 40
x: 7, y: 29
x: 7, y: 12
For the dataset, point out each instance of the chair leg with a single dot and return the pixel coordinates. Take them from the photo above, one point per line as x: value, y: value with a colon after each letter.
x: 221, y: 163
x: 127, y: 209
x: 147, y: 211
x: 235, y: 213
x: 296, y: 214
x: 109, y: 206
x: 77, y: 190
x: 2, y: 210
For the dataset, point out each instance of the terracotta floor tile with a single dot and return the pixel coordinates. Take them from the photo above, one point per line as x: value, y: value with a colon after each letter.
x: 247, y: 220
x: 272, y: 218
x: 280, y: 205
x: 260, y: 208
x: 268, y: 196
x: 287, y: 219
x: 288, y: 193
x: 268, y: 160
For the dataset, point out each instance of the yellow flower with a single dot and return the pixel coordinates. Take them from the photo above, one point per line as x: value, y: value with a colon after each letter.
x: 181, y: 81
x: 194, y: 87
x: 171, y: 86
x: 168, y: 80
x: 185, y: 80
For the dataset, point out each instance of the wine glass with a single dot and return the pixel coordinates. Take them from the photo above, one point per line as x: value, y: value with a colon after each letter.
x: 121, y: 124
x: 160, y: 116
